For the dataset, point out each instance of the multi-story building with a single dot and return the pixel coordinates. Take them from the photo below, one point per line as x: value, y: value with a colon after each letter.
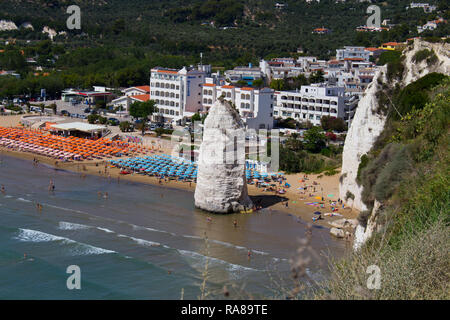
x: 352, y: 52
x: 248, y: 74
x: 177, y: 93
x: 310, y: 103
x: 255, y: 106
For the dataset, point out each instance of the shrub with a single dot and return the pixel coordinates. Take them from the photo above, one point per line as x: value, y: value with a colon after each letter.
x: 414, y: 95
x: 363, y: 163
x: 421, y: 55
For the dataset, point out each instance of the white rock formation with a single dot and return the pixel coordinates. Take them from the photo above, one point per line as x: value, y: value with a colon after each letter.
x: 367, y: 126
x: 416, y: 71
x: 344, y: 223
x: 221, y: 185
x: 364, y: 130
x: 7, y: 25
x: 338, y: 233
x: 362, y: 234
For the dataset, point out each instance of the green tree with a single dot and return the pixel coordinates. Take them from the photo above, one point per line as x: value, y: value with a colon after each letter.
x: 125, y: 126
x: 258, y: 83
x: 277, y: 84
x: 141, y: 110
x: 333, y: 123
x: 314, y: 140
x: 317, y: 77
x: 53, y: 107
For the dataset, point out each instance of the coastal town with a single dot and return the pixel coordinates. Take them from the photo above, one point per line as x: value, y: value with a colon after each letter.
x: 239, y: 150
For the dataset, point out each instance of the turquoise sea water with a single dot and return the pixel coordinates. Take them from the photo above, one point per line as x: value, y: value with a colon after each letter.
x: 142, y: 242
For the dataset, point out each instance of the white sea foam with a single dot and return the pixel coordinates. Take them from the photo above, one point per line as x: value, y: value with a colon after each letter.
x: 27, y: 235
x: 23, y: 200
x: 105, y: 230
x: 78, y: 248
x: 72, y: 226
x: 202, y: 259
x: 65, y: 209
x: 142, y: 242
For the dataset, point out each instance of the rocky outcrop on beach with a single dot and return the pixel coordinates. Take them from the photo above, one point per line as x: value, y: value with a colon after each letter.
x: 221, y: 185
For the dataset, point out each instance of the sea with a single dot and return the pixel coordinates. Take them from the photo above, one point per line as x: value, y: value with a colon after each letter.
x: 143, y: 242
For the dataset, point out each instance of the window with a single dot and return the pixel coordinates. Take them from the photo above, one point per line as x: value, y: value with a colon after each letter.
x: 228, y: 94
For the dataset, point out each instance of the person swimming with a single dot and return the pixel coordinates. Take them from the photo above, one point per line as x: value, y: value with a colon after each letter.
x: 3, y: 190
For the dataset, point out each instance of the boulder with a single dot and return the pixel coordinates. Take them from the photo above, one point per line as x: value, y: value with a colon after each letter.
x: 221, y: 184
x: 344, y: 223
x: 338, y: 233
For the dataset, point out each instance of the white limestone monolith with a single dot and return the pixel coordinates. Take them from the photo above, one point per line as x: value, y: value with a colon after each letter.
x: 221, y: 184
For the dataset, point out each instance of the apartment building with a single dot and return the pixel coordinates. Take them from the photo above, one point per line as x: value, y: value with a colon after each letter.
x: 255, y: 106
x: 248, y: 74
x: 352, y: 52
x: 310, y: 103
x: 177, y: 93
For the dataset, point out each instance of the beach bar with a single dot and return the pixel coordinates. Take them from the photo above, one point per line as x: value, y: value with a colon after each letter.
x: 79, y: 129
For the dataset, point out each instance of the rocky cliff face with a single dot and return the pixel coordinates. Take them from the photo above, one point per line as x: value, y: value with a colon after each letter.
x: 367, y: 125
x: 221, y: 185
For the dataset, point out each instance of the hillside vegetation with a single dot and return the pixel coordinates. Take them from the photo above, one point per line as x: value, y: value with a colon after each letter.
x: 407, y: 171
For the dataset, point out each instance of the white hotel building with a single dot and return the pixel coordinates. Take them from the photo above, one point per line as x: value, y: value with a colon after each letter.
x: 177, y: 93
x: 255, y: 106
x: 310, y: 103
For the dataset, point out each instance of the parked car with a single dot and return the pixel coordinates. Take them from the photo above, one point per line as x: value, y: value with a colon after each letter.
x: 87, y: 110
x: 65, y: 113
x: 113, y: 121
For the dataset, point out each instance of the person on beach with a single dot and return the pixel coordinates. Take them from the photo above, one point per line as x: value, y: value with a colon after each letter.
x: 249, y: 254
x: 51, y: 186
x: 99, y: 194
x: 287, y: 204
x: 106, y: 195
x: 3, y: 190
x: 235, y: 223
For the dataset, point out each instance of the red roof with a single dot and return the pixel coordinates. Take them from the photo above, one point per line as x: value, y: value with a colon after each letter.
x: 143, y: 88
x: 141, y: 97
x: 228, y: 87
x: 168, y: 71
x: 354, y: 59
x: 372, y: 49
x: 247, y: 88
x: 390, y: 44
x: 209, y: 85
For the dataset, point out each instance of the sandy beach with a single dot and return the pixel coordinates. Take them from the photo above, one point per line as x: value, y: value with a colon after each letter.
x: 300, y: 203
x: 297, y: 200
